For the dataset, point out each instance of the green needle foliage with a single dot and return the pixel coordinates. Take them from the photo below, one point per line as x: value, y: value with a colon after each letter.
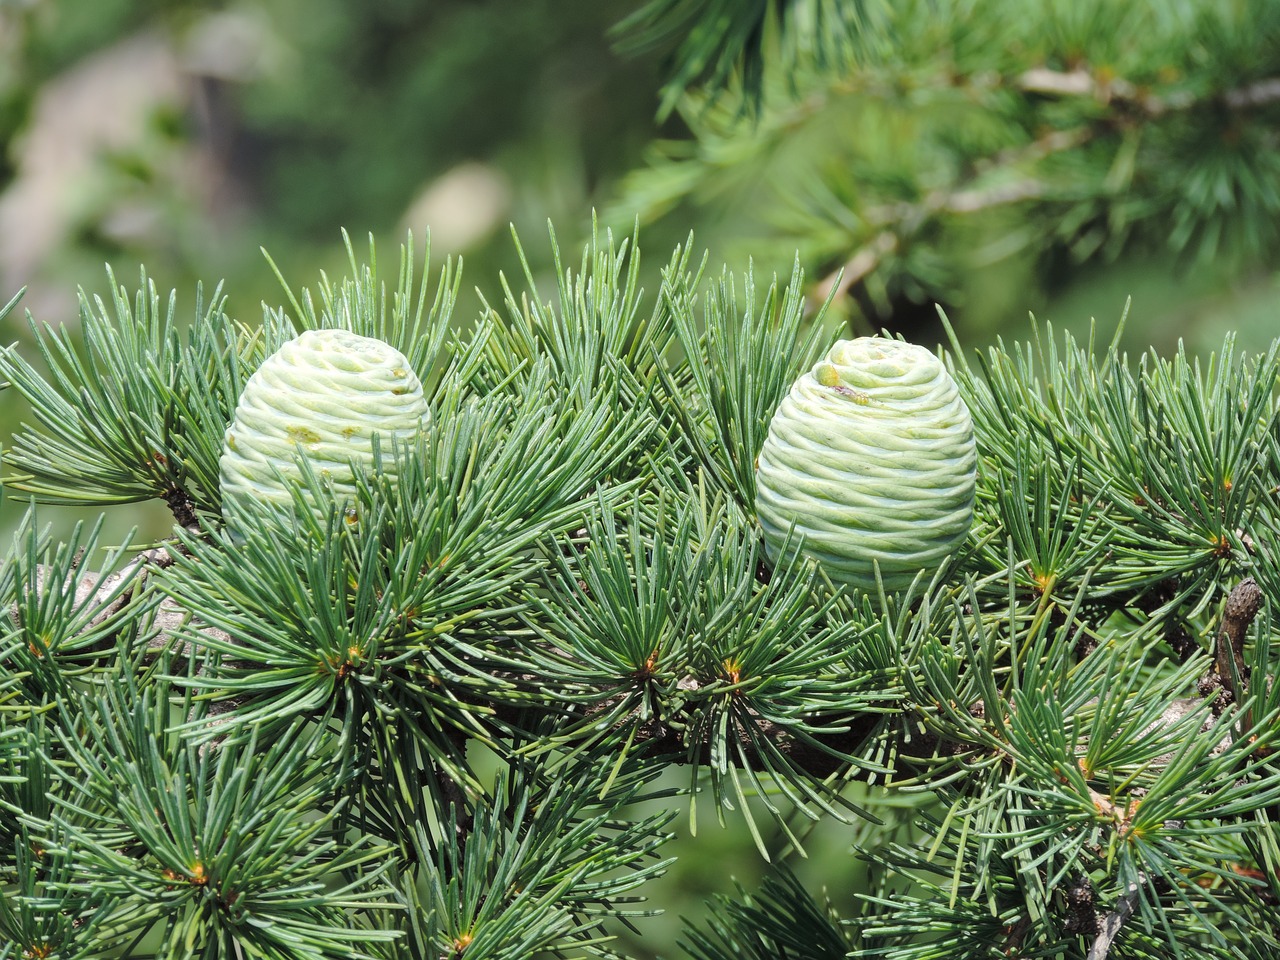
x: 742, y: 360
x: 441, y: 719
x: 536, y: 868
x: 210, y: 851
x: 63, y: 617
x: 720, y: 42
x: 137, y: 414
x: 782, y: 921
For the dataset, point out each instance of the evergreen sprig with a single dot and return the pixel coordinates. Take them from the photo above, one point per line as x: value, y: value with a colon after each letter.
x: 538, y: 869
x: 62, y: 615
x: 359, y: 303
x: 781, y: 921
x: 740, y: 361
x: 595, y: 345
x: 213, y: 852
x: 39, y: 919
x: 419, y: 564
x: 138, y: 413
x: 1168, y: 481
x: 668, y: 639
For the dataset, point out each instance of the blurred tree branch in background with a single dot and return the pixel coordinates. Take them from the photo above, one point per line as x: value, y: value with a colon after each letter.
x: 992, y: 157
x: 917, y: 144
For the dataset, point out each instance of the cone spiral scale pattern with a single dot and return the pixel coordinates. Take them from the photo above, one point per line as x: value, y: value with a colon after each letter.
x: 871, y: 456
x: 321, y: 397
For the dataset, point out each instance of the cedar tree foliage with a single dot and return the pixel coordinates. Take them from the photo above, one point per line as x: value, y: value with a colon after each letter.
x: 418, y: 727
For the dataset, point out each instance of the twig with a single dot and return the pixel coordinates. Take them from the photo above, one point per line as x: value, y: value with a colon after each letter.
x: 463, y: 813
x: 864, y: 260
x: 973, y: 200
x: 869, y: 256
x: 1123, y: 816
x: 1254, y: 95
x: 1242, y: 606
x: 1109, y: 89
x: 1075, y: 83
x: 1016, y: 934
x: 820, y: 757
x: 1112, y: 923
x: 93, y: 588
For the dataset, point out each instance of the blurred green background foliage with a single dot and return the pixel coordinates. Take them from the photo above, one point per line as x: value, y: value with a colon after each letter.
x: 996, y: 158
x: 186, y: 134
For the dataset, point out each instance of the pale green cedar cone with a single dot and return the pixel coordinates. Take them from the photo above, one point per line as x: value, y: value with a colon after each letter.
x: 321, y: 397
x: 871, y: 456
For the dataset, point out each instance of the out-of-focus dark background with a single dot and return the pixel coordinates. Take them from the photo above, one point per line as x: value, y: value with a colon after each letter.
x: 187, y: 134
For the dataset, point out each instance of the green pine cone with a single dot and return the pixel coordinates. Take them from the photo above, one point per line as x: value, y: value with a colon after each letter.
x: 871, y: 456
x: 321, y: 397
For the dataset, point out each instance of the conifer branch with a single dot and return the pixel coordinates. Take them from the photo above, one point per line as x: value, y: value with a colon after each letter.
x: 568, y: 571
x: 859, y: 266
x: 895, y: 221
x: 818, y: 756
